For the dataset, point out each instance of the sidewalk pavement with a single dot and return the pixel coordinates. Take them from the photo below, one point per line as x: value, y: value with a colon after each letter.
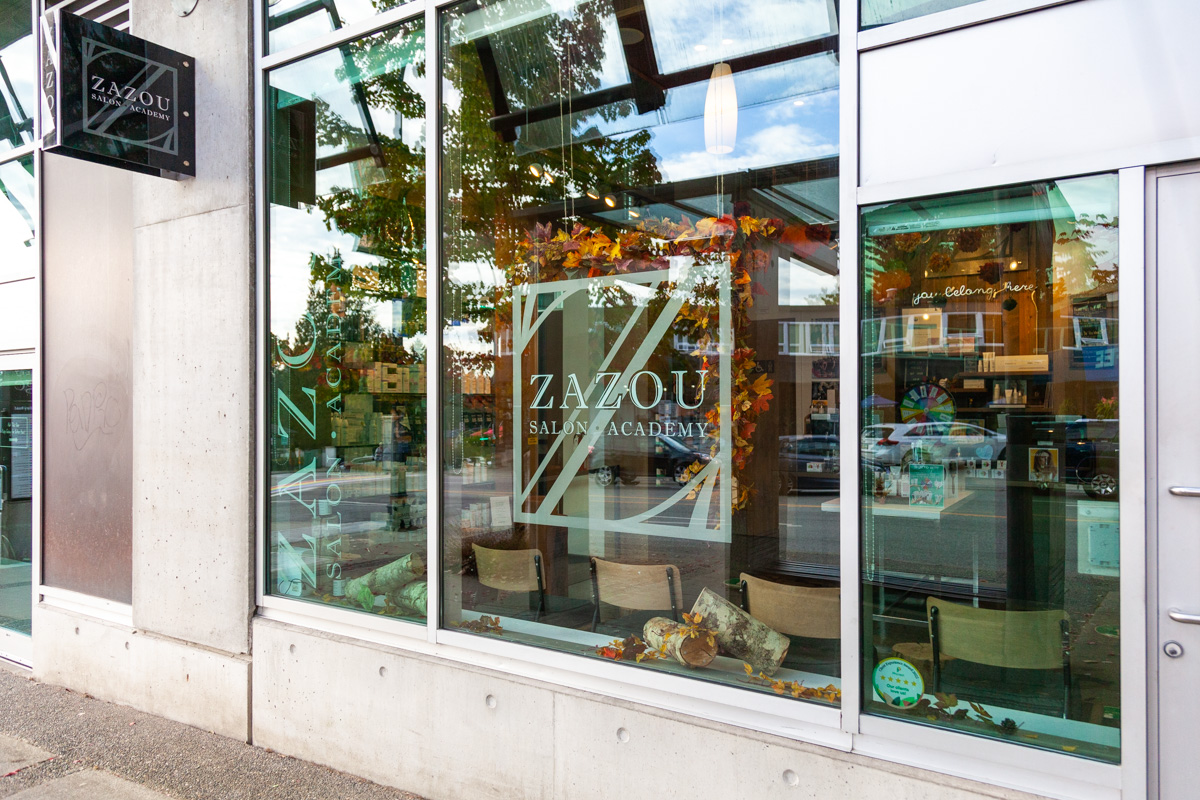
x: 56, y: 744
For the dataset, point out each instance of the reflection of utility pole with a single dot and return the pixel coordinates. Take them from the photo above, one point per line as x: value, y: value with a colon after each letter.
x: 24, y: 123
x: 373, y: 149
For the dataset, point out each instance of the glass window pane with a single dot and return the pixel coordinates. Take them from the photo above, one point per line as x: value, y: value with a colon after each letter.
x: 18, y: 246
x: 18, y: 76
x: 16, y: 498
x: 990, y: 528
x: 641, y: 399
x: 882, y: 12
x: 293, y: 22
x: 348, y: 481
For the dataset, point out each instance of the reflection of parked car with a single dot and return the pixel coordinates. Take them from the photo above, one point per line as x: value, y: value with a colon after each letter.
x: 1092, y: 457
x: 625, y: 458
x: 893, y: 444
x: 808, y: 464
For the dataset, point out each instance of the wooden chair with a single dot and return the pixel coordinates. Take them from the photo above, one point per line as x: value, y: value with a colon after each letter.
x: 802, y: 611
x: 638, y: 587
x: 1028, y: 640
x: 512, y: 571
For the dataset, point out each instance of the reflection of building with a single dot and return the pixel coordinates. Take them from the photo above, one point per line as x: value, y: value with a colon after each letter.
x: 308, y: 484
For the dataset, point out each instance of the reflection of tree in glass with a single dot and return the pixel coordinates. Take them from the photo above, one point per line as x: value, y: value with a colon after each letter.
x: 385, y: 208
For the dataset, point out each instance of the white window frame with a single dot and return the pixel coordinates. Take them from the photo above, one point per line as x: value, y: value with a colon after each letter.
x: 944, y: 751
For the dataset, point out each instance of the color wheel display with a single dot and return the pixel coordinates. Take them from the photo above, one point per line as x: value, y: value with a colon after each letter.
x: 927, y: 402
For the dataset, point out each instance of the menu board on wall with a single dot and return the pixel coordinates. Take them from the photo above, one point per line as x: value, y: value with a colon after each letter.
x: 16, y: 430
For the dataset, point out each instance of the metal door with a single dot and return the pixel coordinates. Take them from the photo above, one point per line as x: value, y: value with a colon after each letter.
x: 1174, y: 204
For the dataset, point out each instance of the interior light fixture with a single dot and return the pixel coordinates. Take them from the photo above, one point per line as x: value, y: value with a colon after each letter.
x: 700, y: 48
x: 634, y: 213
x: 720, y: 111
x: 592, y: 194
x: 797, y: 102
x: 1013, y: 265
x: 535, y: 170
x: 610, y: 201
x: 727, y: 41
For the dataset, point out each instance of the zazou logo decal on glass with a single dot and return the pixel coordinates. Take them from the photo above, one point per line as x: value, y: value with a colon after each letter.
x: 602, y: 375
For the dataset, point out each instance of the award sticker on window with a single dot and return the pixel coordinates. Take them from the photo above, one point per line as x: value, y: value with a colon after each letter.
x: 898, y: 682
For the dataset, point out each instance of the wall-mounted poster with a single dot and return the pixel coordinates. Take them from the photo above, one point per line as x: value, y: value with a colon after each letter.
x: 1043, y: 465
x: 927, y: 485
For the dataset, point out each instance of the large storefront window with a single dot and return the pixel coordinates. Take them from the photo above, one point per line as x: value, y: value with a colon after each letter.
x: 346, y: 393
x: 16, y: 498
x: 883, y: 12
x: 640, y: 238
x: 990, y: 528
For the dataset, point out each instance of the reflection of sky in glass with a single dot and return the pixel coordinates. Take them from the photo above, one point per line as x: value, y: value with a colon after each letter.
x: 787, y: 113
x: 20, y: 63
x: 18, y: 250
x: 881, y: 12
x: 802, y: 285
x: 520, y: 28
x: 320, y: 22
x: 687, y: 33
x: 297, y: 234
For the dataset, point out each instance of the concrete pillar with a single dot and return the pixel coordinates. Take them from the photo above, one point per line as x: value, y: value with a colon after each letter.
x: 193, y: 362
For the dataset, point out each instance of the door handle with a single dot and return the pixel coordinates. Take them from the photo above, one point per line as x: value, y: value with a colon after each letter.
x: 1185, y: 491
x: 1179, y: 616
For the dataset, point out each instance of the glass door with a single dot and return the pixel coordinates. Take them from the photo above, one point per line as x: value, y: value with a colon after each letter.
x: 16, y: 505
x: 1177, y: 288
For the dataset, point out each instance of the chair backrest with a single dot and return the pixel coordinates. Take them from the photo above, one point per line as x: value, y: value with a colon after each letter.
x: 1018, y: 639
x: 640, y: 587
x: 794, y: 610
x: 509, y: 570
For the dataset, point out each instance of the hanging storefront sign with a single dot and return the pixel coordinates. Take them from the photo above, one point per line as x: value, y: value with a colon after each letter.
x: 115, y: 99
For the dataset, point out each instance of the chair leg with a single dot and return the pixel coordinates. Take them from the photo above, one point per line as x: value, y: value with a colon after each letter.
x: 1066, y: 668
x: 745, y: 597
x: 671, y: 591
x: 541, y: 589
x: 935, y: 645
x: 595, y: 597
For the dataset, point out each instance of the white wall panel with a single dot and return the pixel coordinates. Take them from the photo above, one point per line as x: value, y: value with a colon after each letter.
x: 1115, y: 77
x: 19, y: 322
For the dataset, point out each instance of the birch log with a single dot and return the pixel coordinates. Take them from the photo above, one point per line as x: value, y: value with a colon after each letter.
x: 412, y: 597
x: 385, y: 579
x: 689, y: 651
x: 741, y: 635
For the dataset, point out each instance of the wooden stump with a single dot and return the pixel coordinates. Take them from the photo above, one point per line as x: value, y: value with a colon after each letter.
x: 691, y: 651
x: 412, y: 597
x: 741, y: 635
x: 385, y: 580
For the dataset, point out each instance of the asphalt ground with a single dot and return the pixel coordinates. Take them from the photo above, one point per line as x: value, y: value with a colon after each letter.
x: 56, y: 744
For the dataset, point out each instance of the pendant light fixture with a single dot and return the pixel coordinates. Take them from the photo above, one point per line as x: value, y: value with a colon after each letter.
x: 720, y: 111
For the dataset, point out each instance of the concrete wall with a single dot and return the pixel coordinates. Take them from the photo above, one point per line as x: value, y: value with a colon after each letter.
x: 449, y: 731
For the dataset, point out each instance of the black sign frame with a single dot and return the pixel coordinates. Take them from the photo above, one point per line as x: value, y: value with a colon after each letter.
x: 115, y: 99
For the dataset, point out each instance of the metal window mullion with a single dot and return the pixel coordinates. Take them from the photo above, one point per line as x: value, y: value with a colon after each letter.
x: 433, y: 325
x: 848, y: 282
x: 262, y: 371
x: 1133, y: 433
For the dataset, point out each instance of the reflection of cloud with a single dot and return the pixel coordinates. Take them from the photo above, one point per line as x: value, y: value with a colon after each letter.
x: 295, y: 237
x: 774, y: 144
